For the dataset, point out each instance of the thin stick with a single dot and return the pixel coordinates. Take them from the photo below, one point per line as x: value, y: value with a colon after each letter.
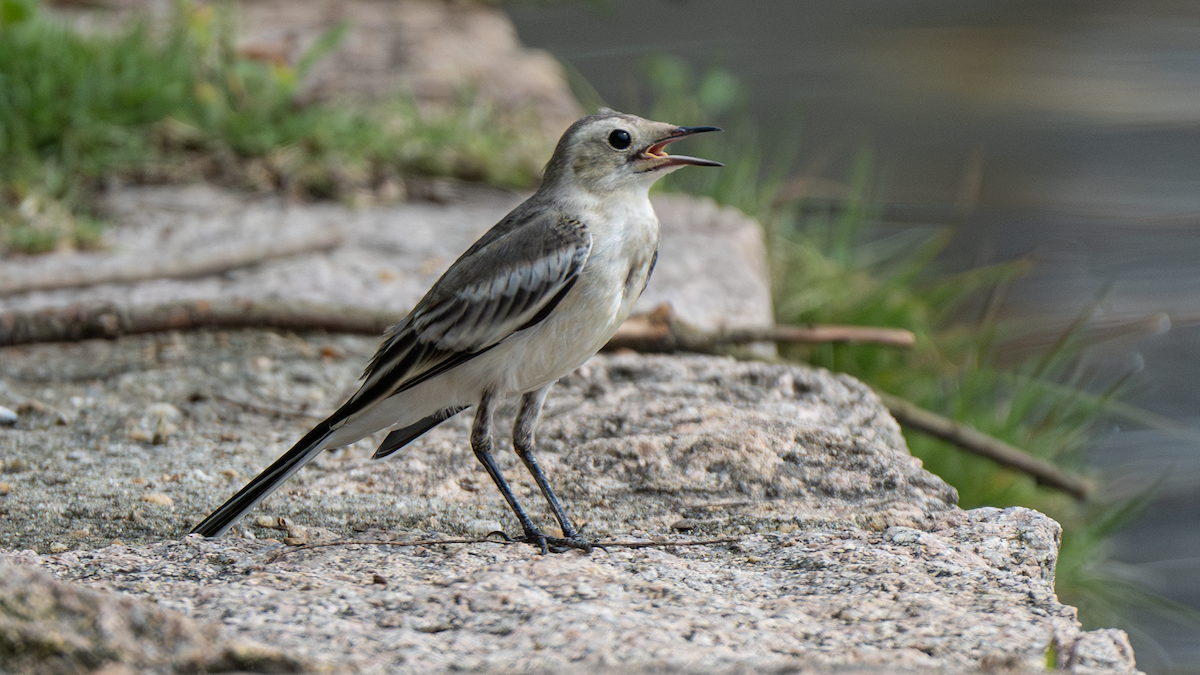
x: 267, y: 408
x: 486, y: 540
x: 1044, y: 472
x: 85, y: 322
x: 659, y: 332
x: 662, y: 331
x: 89, y: 271
x: 654, y: 544
x: 353, y: 542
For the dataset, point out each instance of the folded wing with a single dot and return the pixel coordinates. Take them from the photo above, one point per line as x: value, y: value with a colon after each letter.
x: 508, y: 281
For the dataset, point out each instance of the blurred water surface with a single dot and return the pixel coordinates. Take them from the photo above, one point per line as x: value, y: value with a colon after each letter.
x: 1069, y: 131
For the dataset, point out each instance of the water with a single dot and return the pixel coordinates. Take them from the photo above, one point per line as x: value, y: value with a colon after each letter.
x: 1072, y: 130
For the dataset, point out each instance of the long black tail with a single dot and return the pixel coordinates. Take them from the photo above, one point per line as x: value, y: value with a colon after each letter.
x: 218, y: 522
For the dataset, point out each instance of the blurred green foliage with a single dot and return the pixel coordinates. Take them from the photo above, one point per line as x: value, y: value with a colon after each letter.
x: 176, y: 102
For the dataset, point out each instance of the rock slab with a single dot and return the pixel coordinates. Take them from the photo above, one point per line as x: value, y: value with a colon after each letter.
x: 848, y: 554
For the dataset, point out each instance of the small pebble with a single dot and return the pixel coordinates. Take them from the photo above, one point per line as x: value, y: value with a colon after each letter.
x: 58, y: 547
x: 158, y: 498
x: 304, y: 373
x: 5, y: 488
x: 31, y: 406
x: 7, y: 417
x: 297, y: 535
x: 16, y: 465
x: 162, y: 430
x: 139, y: 435
x: 482, y: 528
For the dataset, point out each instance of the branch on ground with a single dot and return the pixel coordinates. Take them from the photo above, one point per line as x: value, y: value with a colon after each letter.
x: 658, y: 332
x: 661, y: 542
x: 979, y: 443
x: 662, y: 331
x: 127, y: 269
x: 85, y: 322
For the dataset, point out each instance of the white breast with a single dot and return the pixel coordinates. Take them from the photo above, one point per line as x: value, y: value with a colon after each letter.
x: 625, y: 237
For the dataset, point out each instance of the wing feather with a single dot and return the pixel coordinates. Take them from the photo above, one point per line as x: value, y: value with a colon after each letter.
x: 510, y: 280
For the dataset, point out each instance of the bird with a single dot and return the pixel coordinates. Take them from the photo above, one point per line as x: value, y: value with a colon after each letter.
x: 529, y: 302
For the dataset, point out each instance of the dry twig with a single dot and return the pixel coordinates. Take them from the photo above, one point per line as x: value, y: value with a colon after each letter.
x: 1044, y: 472
x: 661, y: 331
x: 126, y: 269
x: 658, y: 332
x: 81, y: 322
x: 488, y: 540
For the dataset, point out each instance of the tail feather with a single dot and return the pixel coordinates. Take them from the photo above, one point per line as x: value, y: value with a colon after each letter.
x: 219, y: 521
x: 402, y: 437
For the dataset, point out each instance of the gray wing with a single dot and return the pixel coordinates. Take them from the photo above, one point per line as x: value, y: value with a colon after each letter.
x: 508, y: 281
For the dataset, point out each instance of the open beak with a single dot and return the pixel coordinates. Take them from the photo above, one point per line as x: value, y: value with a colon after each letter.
x: 658, y: 152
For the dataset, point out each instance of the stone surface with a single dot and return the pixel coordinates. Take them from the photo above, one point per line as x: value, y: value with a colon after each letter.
x: 922, y: 601
x: 391, y: 255
x: 848, y: 552
x: 138, y: 438
x: 56, y: 628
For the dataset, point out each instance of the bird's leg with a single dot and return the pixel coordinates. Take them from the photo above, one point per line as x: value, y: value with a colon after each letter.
x: 481, y: 444
x: 523, y: 432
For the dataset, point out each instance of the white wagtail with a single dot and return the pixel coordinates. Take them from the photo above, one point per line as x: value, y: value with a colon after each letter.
x: 535, y: 297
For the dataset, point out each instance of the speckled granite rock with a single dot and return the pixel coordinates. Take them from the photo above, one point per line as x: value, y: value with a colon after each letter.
x: 56, y: 628
x: 850, y: 554
x: 966, y: 596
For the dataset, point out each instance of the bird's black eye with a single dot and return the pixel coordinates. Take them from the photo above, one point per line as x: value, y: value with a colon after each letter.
x: 620, y: 139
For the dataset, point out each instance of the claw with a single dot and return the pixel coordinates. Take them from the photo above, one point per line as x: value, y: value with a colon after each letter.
x: 557, y: 544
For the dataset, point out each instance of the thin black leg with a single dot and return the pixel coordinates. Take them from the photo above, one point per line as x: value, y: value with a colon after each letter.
x: 524, y: 428
x: 481, y: 444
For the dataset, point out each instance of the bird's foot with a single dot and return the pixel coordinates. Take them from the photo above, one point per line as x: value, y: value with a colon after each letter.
x: 557, y: 544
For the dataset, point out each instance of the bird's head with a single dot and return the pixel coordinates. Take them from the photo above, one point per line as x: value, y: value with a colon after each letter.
x: 612, y: 151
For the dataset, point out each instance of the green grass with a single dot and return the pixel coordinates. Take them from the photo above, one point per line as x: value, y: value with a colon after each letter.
x: 176, y: 103
x: 828, y: 266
